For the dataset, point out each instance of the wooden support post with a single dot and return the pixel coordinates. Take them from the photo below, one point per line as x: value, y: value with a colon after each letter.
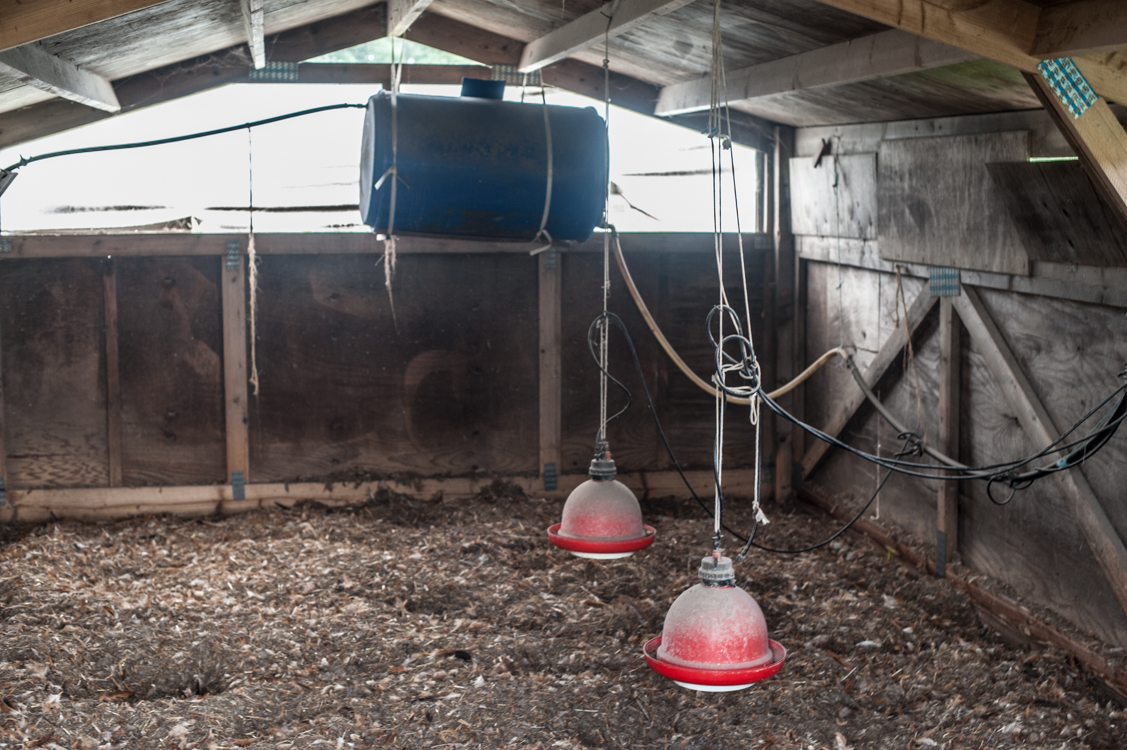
x: 1101, y: 536
x: 785, y: 294
x: 3, y: 435
x: 550, y: 364
x: 887, y: 355
x: 235, y: 364
x: 950, y: 367
x: 113, y: 374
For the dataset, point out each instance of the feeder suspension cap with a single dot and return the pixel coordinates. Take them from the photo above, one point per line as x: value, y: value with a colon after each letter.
x: 602, y: 465
x: 717, y: 571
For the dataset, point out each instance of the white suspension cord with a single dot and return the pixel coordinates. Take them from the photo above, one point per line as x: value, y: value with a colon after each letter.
x: 720, y: 134
x: 604, y: 327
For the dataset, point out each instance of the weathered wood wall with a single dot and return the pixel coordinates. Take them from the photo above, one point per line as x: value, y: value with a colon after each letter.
x: 1070, y: 340
x: 445, y: 384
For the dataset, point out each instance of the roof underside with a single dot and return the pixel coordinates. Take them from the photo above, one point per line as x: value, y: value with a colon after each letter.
x: 173, y: 48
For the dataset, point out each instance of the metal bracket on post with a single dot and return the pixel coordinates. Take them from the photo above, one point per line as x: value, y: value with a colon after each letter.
x: 513, y: 77
x: 274, y: 72
x: 5, y: 245
x: 3, y: 494
x: 1068, y: 84
x: 551, y: 258
x: 233, y: 255
x: 941, y: 555
x: 238, y: 485
x: 943, y: 282
x: 550, y: 476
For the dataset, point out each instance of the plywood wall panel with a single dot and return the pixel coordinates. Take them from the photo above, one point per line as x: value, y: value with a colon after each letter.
x: 1071, y: 352
x: 850, y: 210
x: 869, y: 302
x: 1033, y: 543
x: 171, y: 367
x: 939, y: 206
x: 1060, y: 214
x: 446, y: 384
x: 51, y: 322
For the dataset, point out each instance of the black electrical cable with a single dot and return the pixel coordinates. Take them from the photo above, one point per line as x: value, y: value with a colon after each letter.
x: 612, y: 318
x: 911, y: 446
x: 591, y: 346
x: 176, y: 139
x: 1004, y: 471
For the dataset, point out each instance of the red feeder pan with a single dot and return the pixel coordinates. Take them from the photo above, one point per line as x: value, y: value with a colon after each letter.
x: 715, y: 636
x: 602, y: 518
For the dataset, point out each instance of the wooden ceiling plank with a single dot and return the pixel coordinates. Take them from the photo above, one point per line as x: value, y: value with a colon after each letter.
x: 1001, y: 30
x: 402, y: 13
x: 46, y: 72
x: 1088, y: 27
x: 254, y: 21
x: 31, y: 20
x: 888, y: 53
x: 592, y: 28
x: 1098, y: 139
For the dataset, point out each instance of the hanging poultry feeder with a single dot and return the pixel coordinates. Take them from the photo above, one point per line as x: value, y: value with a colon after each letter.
x: 601, y: 518
x: 715, y: 636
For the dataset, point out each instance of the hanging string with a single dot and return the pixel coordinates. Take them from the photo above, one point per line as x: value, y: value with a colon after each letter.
x: 392, y: 173
x: 252, y: 267
x: 718, y: 246
x: 604, y: 325
x: 720, y: 135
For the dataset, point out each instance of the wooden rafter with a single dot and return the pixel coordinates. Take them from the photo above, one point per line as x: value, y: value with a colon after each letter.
x: 612, y: 19
x: 32, y: 65
x: 24, y: 21
x: 1098, y: 139
x: 1088, y: 27
x: 881, y: 55
x: 1098, y: 532
x: 254, y: 21
x: 402, y: 13
x: 1007, y: 31
x: 886, y: 357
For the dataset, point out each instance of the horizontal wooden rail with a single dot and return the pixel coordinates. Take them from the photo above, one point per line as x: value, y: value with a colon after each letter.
x: 103, y: 503
x: 338, y: 243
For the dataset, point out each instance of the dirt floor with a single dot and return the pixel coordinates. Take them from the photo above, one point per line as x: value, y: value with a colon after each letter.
x: 410, y: 624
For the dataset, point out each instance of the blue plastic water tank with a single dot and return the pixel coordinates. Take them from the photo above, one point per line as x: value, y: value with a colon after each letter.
x: 478, y: 168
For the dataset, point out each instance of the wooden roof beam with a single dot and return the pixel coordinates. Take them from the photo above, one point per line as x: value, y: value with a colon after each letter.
x: 254, y: 21
x: 1087, y: 27
x: 592, y: 28
x: 27, y: 21
x: 35, y: 67
x: 1009, y: 31
x: 888, y: 53
x: 402, y: 13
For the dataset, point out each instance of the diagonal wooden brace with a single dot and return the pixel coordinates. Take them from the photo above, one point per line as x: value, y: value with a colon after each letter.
x: 1101, y: 536
x: 887, y: 355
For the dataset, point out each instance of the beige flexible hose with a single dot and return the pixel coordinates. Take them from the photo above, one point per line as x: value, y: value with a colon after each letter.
x: 700, y: 382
